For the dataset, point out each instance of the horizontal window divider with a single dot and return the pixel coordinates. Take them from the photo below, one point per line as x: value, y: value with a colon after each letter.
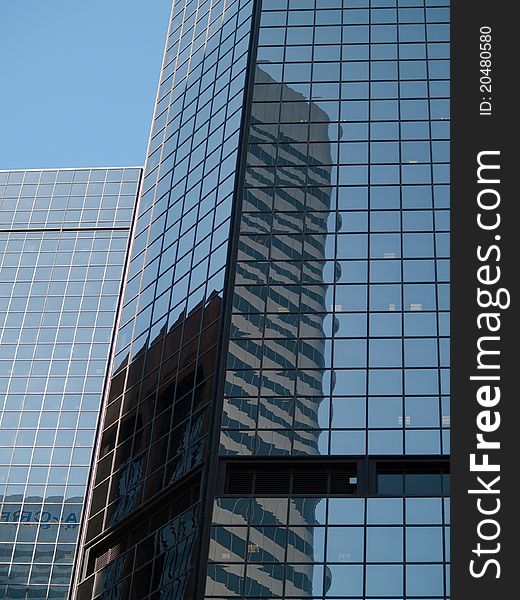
x: 324, y: 476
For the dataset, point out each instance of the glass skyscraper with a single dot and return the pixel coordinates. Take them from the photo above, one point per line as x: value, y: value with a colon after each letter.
x: 276, y: 423
x: 63, y: 242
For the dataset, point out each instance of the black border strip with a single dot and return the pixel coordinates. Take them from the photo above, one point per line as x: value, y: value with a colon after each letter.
x: 475, y: 129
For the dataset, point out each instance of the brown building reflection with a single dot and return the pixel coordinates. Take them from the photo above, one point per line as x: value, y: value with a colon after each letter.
x: 148, y: 475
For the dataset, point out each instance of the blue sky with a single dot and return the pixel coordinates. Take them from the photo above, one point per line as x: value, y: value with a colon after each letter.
x: 78, y: 80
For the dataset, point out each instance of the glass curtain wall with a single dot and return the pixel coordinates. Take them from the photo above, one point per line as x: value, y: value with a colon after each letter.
x: 339, y: 341
x: 63, y: 241
x: 142, y: 532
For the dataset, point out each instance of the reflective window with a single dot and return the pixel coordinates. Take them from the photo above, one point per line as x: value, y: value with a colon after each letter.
x: 62, y: 254
x: 338, y: 338
x: 158, y: 418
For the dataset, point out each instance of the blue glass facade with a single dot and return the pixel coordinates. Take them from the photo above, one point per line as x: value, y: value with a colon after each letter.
x: 342, y: 291
x: 339, y: 341
x: 154, y: 435
x: 282, y: 358
x: 63, y: 242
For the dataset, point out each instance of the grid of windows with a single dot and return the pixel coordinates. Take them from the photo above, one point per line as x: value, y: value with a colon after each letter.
x: 58, y: 295
x: 307, y: 547
x: 157, y: 417
x: 67, y: 198
x: 340, y: 333
x: 339, y: 336
x: 150, y: 557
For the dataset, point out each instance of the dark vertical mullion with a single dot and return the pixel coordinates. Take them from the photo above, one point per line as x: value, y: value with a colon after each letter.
x: 285, y: 526
x: 401, y: 236
x: 404, y: 528
x: 328, y: 373
x: 271, y: 238
x: 304, y: 222
x: 332, y: 311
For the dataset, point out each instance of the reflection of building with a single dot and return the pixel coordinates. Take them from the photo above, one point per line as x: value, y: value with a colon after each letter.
x: 279, y: 249
x: 265, y: 545
x: 159, y: 444
x: 63, y: 240
x: 141, y: 535
x: 360, y: 114
x: 173, y: 444
x: 297, y: 171
x: 276, y: 252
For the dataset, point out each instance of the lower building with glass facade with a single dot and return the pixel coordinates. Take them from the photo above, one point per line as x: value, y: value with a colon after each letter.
x: 63, y: 242
x: 276, y: 421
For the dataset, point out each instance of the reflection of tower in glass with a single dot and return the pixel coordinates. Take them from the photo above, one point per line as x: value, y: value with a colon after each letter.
x: 275, y: 378
x: 266, y: 533
x: 185, y: 385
